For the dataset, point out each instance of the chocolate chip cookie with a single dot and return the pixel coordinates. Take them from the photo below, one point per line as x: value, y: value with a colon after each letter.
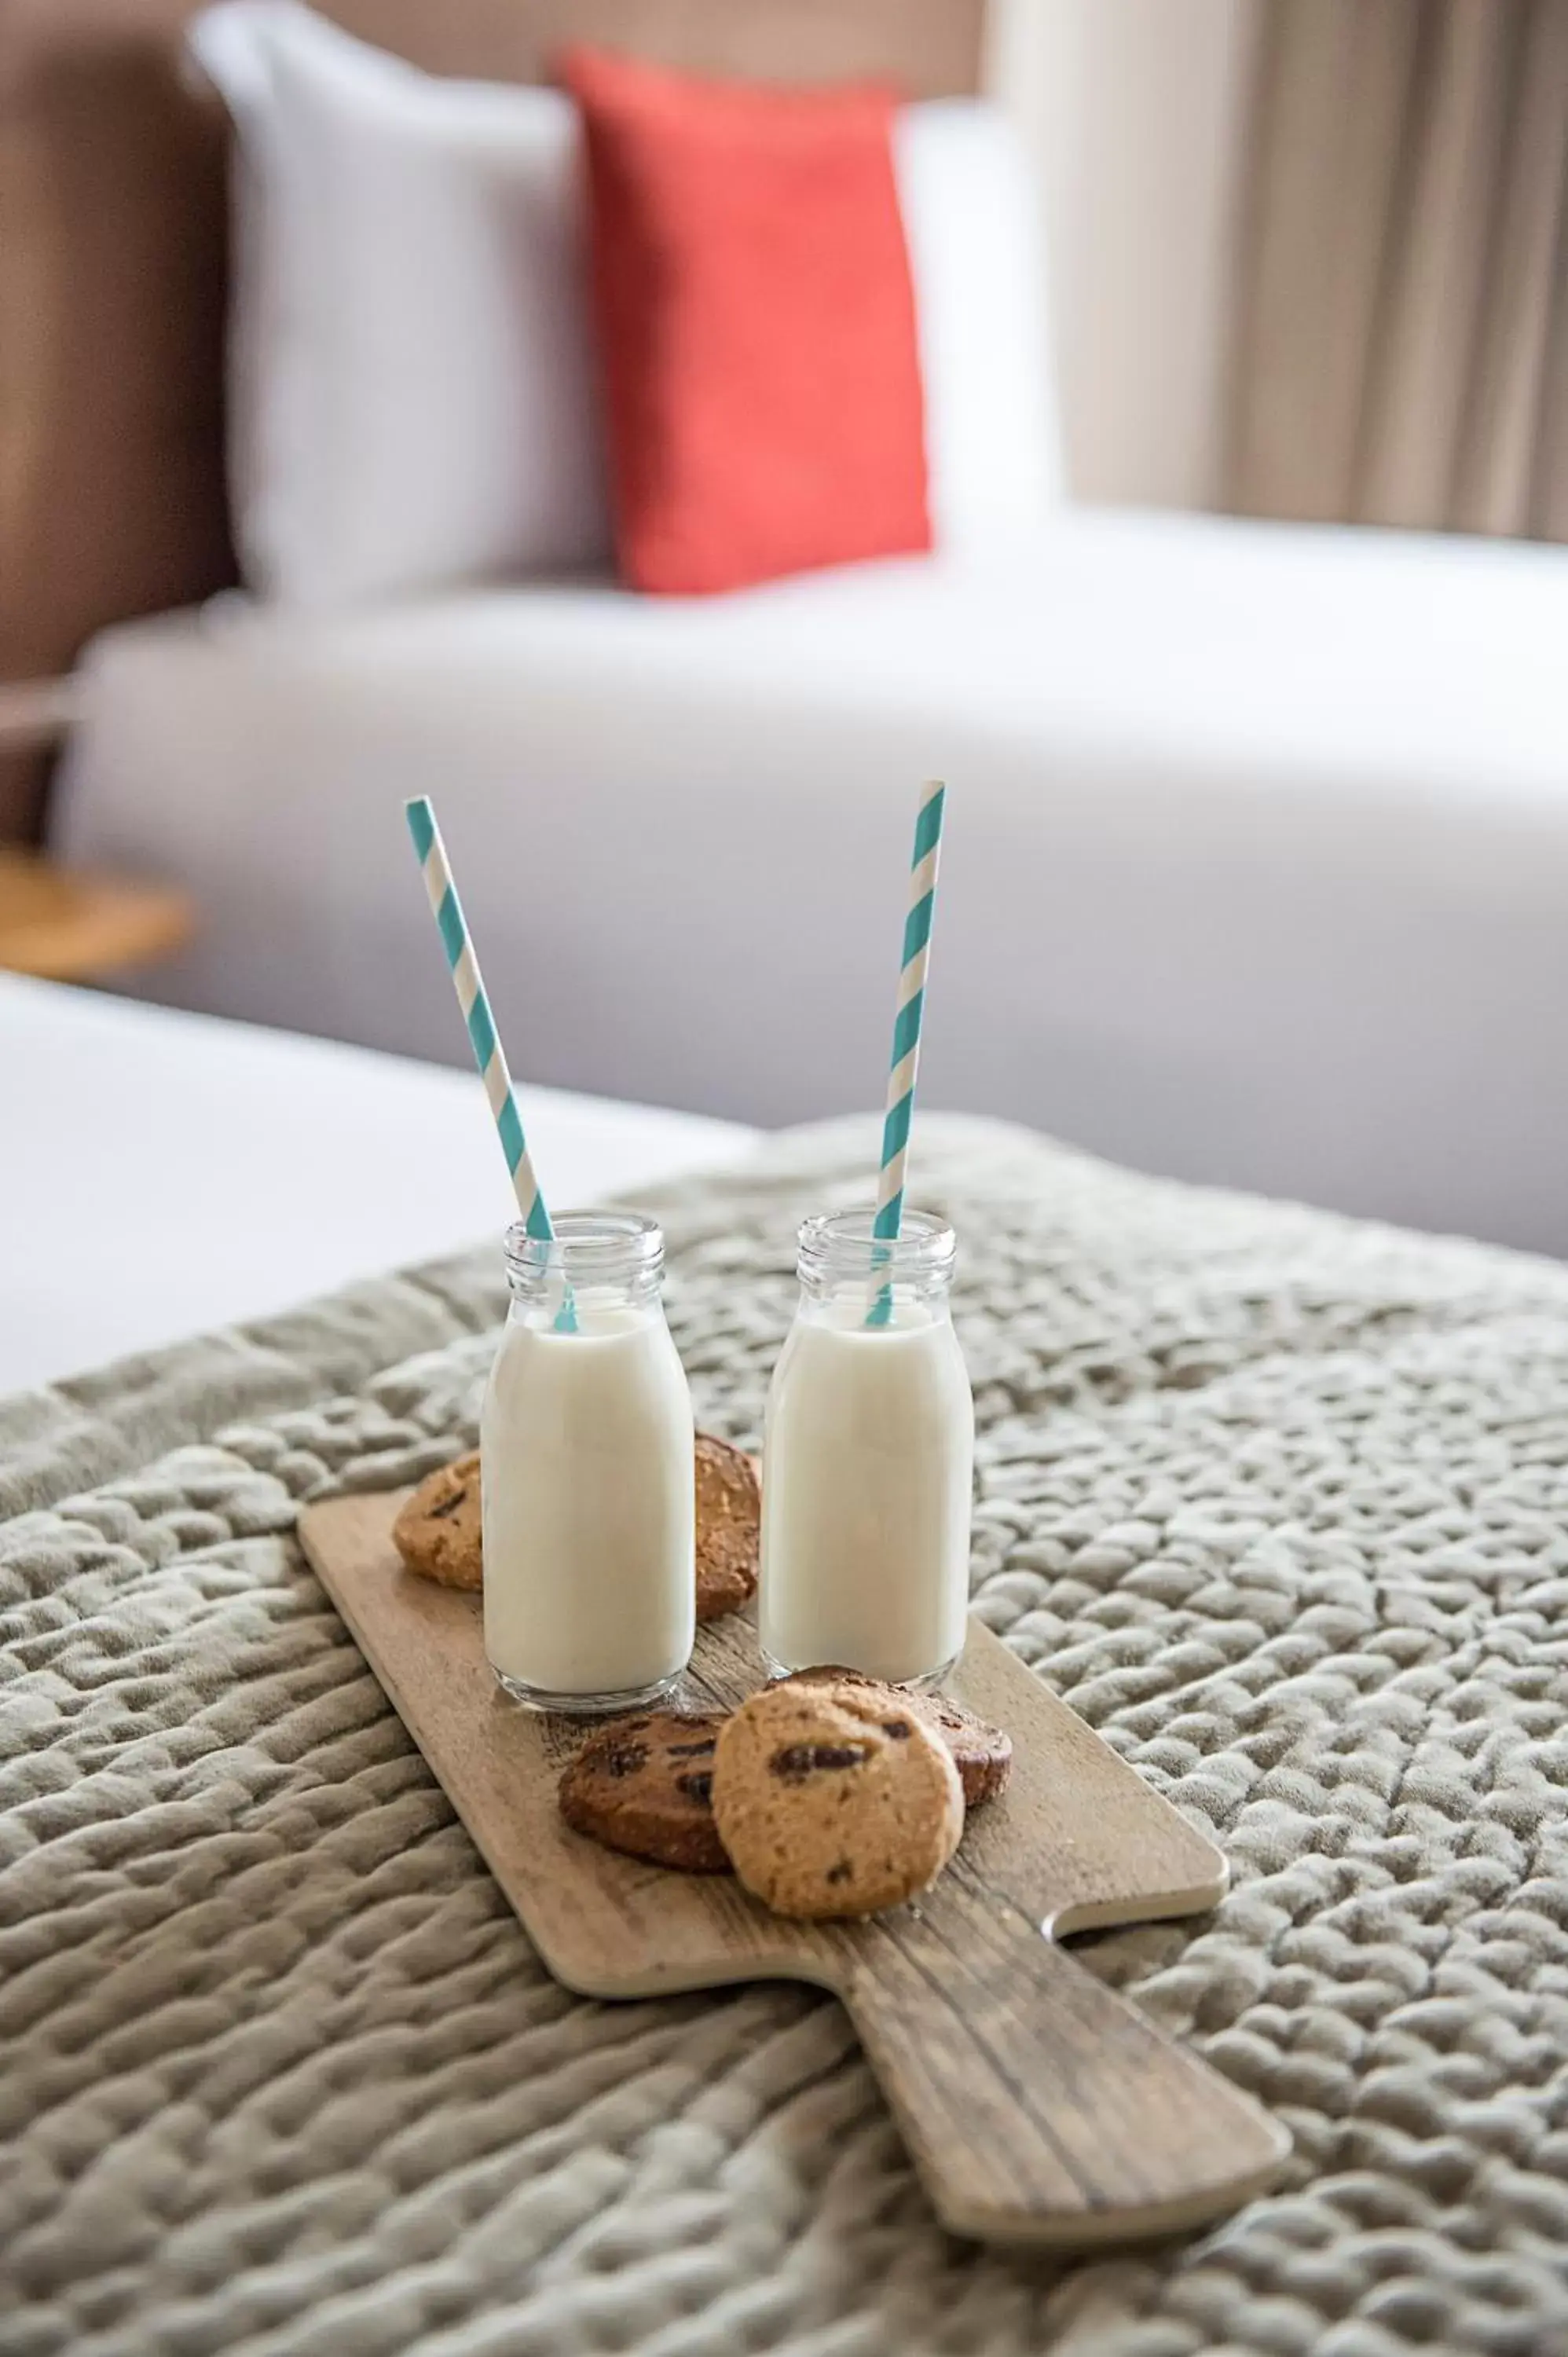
x: 981, y: 1754
x: 438, y: 1532
x: 729, y: 1527
x: 645, y: 1784
x: 834, y: 1799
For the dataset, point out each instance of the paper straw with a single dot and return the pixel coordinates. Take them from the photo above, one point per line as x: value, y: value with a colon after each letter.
x: 488, y: 1053
x: 907, y: 1017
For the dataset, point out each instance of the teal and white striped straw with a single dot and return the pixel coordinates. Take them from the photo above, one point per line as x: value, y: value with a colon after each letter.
x: 906, y: 1021
x: 488, y: 1053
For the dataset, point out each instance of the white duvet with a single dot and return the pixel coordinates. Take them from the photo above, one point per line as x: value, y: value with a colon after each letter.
x: 1257, y: 860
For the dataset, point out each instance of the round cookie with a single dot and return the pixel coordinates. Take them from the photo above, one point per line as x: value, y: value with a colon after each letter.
x: 982, y: 1754
x: 729, y: 1527
x: 437, y: 1531
x: 644, y: 1785
x: 835, y: 1800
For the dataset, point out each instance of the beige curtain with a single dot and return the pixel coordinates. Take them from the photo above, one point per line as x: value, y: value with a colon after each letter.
x: 1402, y: 346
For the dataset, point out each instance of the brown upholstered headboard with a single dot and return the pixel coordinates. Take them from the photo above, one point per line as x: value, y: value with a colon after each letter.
x: 113, y: 260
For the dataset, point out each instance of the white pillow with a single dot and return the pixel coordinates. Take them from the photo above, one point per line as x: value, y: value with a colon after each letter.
x: 971, y: 223
x: 410, y: 379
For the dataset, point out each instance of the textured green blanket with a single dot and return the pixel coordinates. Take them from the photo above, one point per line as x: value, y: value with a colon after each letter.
x: 1279, y: 1502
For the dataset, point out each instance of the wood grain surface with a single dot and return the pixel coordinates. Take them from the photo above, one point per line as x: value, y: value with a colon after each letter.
x: 1037, y: 2106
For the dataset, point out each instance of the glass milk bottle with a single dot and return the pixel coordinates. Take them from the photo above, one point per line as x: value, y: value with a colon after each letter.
x: 585, y: 1472
x: 868, y: 1460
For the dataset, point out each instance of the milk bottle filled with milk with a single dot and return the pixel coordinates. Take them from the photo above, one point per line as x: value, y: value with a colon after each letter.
x: 585, y: 1472
x: 868, y: 1459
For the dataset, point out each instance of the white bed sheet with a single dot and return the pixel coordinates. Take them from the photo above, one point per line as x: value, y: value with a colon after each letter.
x: 1256, y: 871
x: 163, y: 1174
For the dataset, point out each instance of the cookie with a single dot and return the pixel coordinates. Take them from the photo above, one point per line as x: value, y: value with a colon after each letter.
x: 729, y: 1527
x: 438, y: 1532
x: 834, y: 1799
x: 982, y: 1754
x: 644, y: 1785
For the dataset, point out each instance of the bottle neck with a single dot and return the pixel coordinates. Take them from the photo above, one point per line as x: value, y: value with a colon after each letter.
x: 606, y: 1263
x: 846, y: 1268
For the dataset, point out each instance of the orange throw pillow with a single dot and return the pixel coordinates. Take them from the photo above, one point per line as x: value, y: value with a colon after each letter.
x: 757, y: 326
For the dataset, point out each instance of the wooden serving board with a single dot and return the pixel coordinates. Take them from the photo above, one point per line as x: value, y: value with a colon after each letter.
x: 1037, y: 2104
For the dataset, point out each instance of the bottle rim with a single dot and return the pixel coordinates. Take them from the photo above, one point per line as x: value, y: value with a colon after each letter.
x: 588, y: 1248
x: 845, y: 1244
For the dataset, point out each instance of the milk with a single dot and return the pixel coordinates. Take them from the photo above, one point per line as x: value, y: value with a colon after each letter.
x: 867, y: 1471
x: 588, y: 1489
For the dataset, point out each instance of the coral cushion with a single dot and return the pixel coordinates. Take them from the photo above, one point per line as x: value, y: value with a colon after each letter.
x: 757, y: 326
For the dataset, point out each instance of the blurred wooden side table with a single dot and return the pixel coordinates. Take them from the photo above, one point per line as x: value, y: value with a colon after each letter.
x: 71, y: 927
x: 58, y: 922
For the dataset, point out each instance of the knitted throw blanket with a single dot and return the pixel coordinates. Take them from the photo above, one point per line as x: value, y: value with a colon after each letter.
x: 1280, y: 1502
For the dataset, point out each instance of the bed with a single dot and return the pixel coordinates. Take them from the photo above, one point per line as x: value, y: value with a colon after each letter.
x: 1257, y: 869
x: 252, y: 1170
x: 1262, y: 834
x: 1258, y: 831
x: 114, y: 266
x: 1276, y: 1502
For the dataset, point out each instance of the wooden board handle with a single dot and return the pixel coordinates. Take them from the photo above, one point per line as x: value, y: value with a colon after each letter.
x: 1038, y: 2106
